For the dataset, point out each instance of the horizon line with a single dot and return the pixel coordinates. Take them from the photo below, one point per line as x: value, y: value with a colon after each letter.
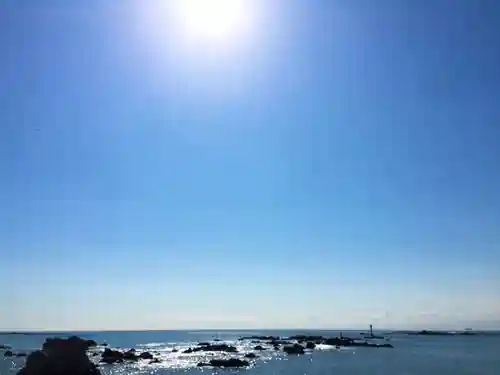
x: 23, y: 331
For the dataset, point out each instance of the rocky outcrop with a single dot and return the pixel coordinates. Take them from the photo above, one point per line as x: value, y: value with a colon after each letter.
x: 232, y: 362
x: 5, y: 347
x: 61, y: 357
x: 8, y: 353
x: 111, y: 356
x: 259, y: 348
x: 251, y: 355
x: 294, y: 349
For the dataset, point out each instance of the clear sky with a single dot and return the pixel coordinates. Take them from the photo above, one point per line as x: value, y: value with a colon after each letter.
x: 335, y: 165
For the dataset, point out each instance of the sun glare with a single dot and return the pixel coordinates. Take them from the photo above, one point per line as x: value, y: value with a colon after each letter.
x: 213, y: 20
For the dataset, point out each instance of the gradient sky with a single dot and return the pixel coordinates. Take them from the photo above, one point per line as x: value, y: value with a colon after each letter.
x: 337, y: 167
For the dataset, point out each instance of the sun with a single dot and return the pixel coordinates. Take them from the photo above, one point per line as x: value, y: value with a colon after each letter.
x: 213, y: 20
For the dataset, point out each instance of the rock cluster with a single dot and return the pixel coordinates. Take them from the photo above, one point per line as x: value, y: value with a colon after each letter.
x: 110, y: 356
x: 60, y: 356
x: 311, y: 342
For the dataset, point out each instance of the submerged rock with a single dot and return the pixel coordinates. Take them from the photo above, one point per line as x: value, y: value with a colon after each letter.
x: 259, y: 347
x: 231, y: 362
x: 8, y: 353
x: 251, y: 355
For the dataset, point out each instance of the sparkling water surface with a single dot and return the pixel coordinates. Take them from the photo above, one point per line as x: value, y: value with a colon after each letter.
x: 412, y: 355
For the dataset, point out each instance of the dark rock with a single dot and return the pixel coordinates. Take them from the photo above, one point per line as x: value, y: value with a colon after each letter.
x: 188, y: 350
x: 110, y: 356
x: 259, y: 347
x: 154, y: 360
x: 5, y: 347
x: 146, y: 355
x: 104, y: 344
x: 304, y: 338
x: 8, y: 353
x: 232, y: 362
x: 339, y: 341
x: 251, y: 355
x: 175, y: 350
x: 130, y: 355
x: 385, y: 346
x: 216, y: 348
x: 21, y: 355
x: 294, y: 349
x: 310, y: 345
x: 204, y: 344
x: 61, y: 357
x: 217, y: 340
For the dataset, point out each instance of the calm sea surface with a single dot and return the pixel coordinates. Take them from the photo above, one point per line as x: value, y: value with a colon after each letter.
x: 412, y: 355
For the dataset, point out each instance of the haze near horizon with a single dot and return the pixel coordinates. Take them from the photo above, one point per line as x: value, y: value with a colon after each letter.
x: 254, y: 164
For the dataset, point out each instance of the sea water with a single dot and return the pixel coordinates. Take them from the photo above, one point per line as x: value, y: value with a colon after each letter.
x: 411, y: 355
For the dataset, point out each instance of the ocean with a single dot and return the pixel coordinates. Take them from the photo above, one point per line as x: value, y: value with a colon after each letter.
x: 411, y: 355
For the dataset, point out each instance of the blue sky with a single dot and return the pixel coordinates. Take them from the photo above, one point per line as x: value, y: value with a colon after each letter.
x: 337, y: 167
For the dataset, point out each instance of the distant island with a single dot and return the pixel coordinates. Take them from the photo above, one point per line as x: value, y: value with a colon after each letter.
x: 425, y: 332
